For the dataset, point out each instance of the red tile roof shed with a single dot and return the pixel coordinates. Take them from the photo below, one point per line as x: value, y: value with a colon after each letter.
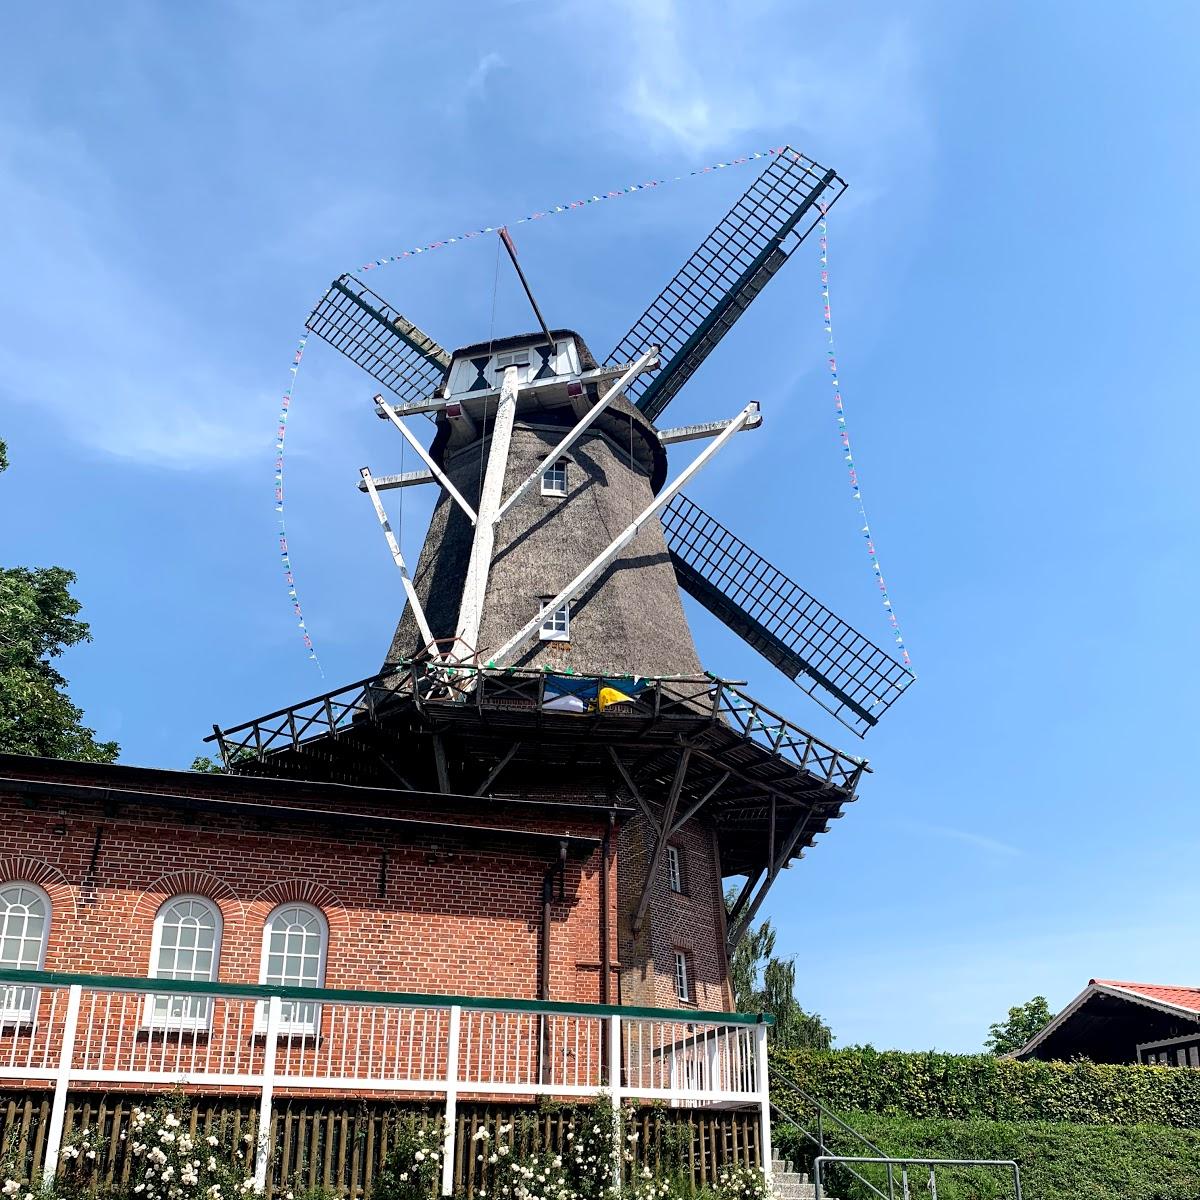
x: 1181, y: 997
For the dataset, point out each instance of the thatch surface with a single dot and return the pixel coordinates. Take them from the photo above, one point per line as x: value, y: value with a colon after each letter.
x: 630, y: 620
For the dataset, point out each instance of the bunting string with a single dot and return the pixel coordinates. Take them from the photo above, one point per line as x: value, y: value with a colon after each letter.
x: 550, y: 211
x: 847, y: 452
x: 285, y: 406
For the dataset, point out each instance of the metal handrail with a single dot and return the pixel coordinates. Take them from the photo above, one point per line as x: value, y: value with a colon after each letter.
x: 904, y: 1163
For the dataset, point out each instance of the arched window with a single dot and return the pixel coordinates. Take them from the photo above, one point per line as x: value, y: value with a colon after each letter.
x: 24, y: 928
x: 295, y: 939
x: 186, y: 945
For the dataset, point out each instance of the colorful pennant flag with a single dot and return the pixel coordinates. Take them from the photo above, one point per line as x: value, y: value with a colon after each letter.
x: 844, y: 438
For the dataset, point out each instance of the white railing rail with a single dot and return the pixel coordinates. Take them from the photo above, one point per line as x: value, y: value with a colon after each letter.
x: 76, y: 1030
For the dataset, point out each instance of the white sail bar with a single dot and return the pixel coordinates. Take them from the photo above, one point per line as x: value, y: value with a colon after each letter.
x: 437, y: 472
x: 384, y: 483
x: 693, y: 433
x: 398, y: 558
x: 470, y: 613
x: 598, y: 564
x: 613, y: 392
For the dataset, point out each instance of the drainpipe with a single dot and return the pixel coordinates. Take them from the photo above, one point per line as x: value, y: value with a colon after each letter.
x: 558, y: 869
x: 605, y: 963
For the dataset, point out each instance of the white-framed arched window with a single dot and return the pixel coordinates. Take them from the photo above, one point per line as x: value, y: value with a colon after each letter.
x: 295, y: 942
x: 24, y: 930
x: 186, y: 944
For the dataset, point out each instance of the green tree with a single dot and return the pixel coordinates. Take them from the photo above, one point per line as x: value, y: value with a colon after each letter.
x: 763, y: 982
x: 38, y: 621
x: 206, y: 766
x: 1024, y: 1020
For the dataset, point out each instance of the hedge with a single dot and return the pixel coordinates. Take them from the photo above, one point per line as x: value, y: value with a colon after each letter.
x: 1058, y: 1161
x: 964, y: 1087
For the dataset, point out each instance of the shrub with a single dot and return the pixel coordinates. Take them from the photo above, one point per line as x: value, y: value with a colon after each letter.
x: 1058, y: 1160
x: 966, y: 1086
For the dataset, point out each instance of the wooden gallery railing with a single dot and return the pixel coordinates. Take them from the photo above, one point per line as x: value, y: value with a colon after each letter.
x: 74, y: 1031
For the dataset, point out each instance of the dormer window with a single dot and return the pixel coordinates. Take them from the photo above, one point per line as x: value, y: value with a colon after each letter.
x: 556, y: 624
x: 554, y: 479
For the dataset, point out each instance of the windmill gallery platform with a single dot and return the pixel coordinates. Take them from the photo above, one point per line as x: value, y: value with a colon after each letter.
x: 495, y: 869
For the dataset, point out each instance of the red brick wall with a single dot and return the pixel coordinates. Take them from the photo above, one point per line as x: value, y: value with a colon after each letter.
x: 464, y: 921
x: 692, y: 921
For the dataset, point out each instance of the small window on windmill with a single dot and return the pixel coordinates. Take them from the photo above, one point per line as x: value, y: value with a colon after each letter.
x: 556, y: 624
x: 683, y: 984
x: 554, y: 478
x: 514, y: 358
x: 675, y: 868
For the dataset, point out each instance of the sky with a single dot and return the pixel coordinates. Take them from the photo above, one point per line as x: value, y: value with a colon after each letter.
x: 1013, y: 277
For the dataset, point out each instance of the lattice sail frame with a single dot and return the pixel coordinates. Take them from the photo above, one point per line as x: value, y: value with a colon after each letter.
x: 724, y: 275
x: 824, y: 656
x: 371, y: 333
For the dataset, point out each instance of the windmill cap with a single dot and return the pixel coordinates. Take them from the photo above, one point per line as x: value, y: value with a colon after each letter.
x: 498, y: 345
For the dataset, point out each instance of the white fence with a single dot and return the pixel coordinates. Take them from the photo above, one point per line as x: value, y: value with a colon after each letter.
x: 88, y: 1030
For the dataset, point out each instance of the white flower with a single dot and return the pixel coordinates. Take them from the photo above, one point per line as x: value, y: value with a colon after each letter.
x: 403, y: 1176
x: 90, y: 1154
x: 139, y: 1187
x: 248, y: 1138
x: 419, y: 1156
x: 165, y: 1135
x: 28, y: 1196
x: 11, y: 1187
x: 481, y: 1136
x: 212, y: 1166
x: 212, y: 1140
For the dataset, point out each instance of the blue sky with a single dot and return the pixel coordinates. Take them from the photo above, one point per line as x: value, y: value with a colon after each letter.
x: 1014, y: 293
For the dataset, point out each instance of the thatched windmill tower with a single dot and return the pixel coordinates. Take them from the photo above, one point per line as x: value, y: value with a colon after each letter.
x: 544, y: 647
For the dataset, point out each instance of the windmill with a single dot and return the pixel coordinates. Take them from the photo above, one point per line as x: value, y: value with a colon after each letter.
x: 543, y: 648
x: 558, y: 383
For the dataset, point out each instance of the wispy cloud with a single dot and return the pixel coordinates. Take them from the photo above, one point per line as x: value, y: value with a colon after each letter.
x: 702, y: 76
x: 91, y: 341
x: 970, y: 838
x: 477, y: 81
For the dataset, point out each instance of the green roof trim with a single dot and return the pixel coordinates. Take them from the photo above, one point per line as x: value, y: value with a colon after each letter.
x: 260, y: 991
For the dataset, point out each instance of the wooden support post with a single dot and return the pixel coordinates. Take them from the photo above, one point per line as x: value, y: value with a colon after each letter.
x: 766, y: 1153
x: 470, y: 614
x: 451, y: 1100
x: 600, y: 563
x: 660, y: 846
x: 262, y: 1156
x: 437, y: 472
x: 62, y: 1081
x: 394, y: 546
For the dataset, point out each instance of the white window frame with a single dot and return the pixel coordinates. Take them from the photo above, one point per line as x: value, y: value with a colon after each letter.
x: 18, y: 1005
x: 675, y: 868
x: 683, y: 982
x: 555, y: 626
x: 521, y: 359
x: 199, y: 1021
x: 558, y: 469
x: 289, y: 1025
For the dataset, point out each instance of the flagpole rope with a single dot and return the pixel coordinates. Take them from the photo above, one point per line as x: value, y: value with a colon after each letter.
x: 844, y: 435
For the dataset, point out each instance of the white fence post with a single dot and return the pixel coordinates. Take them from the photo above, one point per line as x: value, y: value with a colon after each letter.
x: 62, y: 1079
x: 764, y: 1101
x: 450, y: 1132
x: 614, y: 1091
x: 262, y: 1157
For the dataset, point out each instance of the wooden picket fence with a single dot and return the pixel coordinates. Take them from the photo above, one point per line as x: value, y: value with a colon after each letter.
x: 339, y: 1147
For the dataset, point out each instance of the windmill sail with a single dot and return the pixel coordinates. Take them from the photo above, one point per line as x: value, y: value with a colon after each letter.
x: 731, y: 266
x: 371, y: 333
x: 823, y: 655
